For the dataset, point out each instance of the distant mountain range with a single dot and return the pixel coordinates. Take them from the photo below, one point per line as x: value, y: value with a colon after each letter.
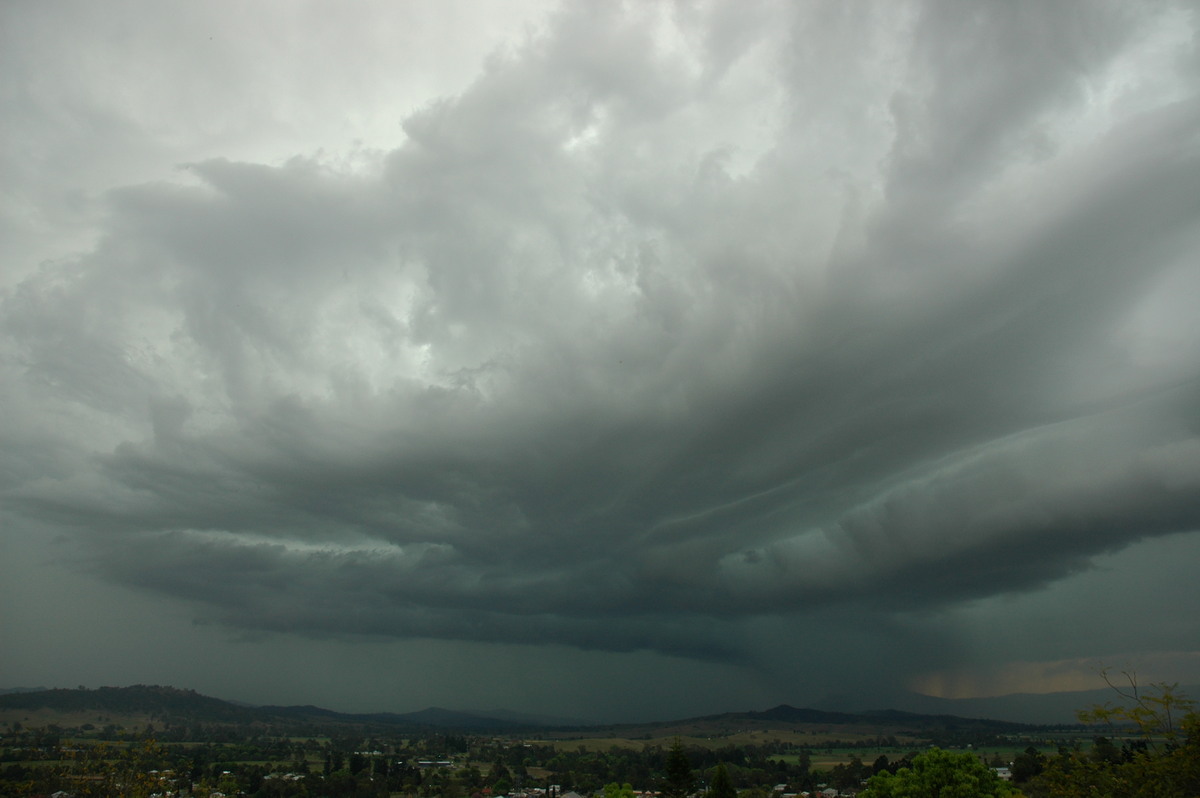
x: 786, y: 716
x: 159, y: 705
x: 170, y: 705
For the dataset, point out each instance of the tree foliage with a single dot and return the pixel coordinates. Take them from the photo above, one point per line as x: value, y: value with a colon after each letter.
x: 614, y: 790
x: 721, y: 785
x: 1157, y: 711
x: 1162, y: 762
x: 940, y: 774
x: 679, y: 782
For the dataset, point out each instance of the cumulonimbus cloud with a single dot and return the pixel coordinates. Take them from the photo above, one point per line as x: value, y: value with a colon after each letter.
x: 650, y: 331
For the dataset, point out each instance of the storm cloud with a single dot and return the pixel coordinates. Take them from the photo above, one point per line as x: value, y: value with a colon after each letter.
x: 675, y: 328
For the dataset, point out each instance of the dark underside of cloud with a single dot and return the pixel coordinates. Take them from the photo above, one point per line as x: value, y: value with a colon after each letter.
x: 629, y: 346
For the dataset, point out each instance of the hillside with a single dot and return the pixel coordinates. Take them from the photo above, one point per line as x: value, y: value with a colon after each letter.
x: 784, y: 721
x: 155, y: 703
x: 140, y: 705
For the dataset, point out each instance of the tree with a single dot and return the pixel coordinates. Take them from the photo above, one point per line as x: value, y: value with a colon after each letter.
x: 679, y: 781
x: 1028, y: 764
x: 848, y: 775
x: 1103, y: 750
x: 722, y: 785
x: 940, y: 774
x: 1156, y: 711
x: 614, y: 790
x: 471, y: 777
x: 1164, y: 763
x: 499, y: 773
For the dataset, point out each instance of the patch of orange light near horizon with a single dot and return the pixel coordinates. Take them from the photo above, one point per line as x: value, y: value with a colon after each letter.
x: 1058, y: 676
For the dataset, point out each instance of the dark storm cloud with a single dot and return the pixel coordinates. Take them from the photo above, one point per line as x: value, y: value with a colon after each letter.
x: 647, y: 337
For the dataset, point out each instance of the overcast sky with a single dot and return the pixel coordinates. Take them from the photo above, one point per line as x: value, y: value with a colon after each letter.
x: 606, y: 360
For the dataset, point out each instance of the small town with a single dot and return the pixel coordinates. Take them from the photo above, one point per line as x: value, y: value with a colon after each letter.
x: 193, y: 746
x: 599, y: 398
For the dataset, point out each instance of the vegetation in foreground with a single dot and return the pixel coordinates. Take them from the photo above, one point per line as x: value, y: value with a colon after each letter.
x: 1160, y: 758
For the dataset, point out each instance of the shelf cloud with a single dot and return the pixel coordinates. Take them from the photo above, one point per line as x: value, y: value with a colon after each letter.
x: 673, y: 328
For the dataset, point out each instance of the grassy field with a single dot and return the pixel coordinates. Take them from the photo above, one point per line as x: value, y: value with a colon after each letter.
x: 41, y: 718
x: 808, y: 738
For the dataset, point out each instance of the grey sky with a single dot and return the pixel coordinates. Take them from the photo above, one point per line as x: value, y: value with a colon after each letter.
x: 707, y: 355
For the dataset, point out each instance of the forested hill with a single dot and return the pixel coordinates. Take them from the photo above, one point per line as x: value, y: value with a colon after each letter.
x: 165, y: 703
x: 789, y: 714
x: 171, y: 705
x: 789, y: 717
x: 143, y: 704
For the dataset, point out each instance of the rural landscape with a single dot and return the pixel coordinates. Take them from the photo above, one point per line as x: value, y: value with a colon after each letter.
x: 145, y: 741
x: 599, y: 399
